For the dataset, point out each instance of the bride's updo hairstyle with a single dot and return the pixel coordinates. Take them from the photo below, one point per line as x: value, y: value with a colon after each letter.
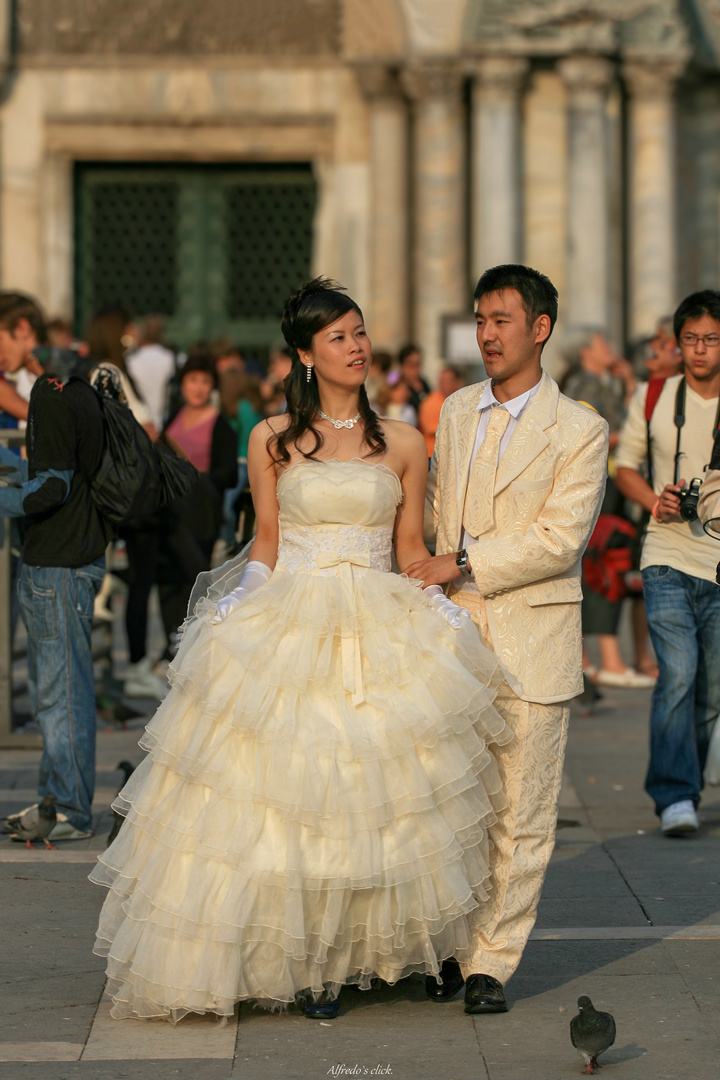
x: 313, y: 307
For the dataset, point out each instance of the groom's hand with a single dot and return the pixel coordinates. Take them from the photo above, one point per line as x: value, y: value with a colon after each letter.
x: 435, y: 570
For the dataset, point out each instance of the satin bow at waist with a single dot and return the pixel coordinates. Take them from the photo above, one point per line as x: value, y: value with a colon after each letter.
x: 322, y: 548
x: 345, y: 560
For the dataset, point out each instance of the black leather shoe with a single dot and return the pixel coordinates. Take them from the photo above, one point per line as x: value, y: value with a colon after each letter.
x: 483, y: 994
x: 452, y: 981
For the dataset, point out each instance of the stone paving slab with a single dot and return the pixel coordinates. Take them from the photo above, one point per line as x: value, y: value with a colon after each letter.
x: 661, y: 1033
x: 602, y: 929
x: 133, y: 1040
x: 391, y: 1028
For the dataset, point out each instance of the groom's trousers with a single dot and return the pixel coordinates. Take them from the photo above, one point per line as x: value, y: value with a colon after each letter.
x: 523, y: 837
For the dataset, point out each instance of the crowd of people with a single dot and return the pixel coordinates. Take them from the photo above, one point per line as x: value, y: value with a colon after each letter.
x: 649, y: 547
x: 596, y: 374
x: 355, y: 773
x: 203, y: 404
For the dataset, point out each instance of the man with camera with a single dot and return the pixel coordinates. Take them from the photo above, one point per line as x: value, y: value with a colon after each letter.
x: 671, y: 426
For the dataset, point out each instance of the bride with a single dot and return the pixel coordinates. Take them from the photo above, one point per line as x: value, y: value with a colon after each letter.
x: 314, y: 806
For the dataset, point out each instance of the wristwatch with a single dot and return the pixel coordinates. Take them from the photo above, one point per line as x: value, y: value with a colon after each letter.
x: 462, y: 562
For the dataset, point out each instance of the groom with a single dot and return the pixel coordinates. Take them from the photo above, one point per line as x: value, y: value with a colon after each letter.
x: 514, y: 491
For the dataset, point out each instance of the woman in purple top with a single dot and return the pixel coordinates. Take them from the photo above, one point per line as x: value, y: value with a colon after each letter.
x: 190, y: 526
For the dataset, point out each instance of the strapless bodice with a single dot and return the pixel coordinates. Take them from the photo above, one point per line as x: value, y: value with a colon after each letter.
x: 334, y: 512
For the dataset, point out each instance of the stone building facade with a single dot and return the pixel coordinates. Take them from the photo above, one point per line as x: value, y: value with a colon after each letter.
x: 442, y: 137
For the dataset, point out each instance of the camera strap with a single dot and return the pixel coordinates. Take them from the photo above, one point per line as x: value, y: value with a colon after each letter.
x: 679, y: 420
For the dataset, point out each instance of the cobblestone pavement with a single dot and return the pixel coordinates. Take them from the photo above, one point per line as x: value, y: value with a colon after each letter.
x: 627, y: 916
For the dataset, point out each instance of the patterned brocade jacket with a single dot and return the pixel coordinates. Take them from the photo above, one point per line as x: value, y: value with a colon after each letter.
x: 548, y: 488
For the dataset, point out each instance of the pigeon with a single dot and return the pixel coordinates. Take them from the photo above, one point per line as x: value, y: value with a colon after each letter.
x: 35, y: 823
x: 591, y: 1032
x: 128, y: 769
x: 10, y: 822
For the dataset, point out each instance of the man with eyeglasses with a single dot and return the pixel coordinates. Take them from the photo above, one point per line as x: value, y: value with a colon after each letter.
x: 675, y: 438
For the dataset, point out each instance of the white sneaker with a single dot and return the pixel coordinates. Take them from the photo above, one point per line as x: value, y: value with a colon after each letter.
x: 629, y: 678
x: 63, y: 830
x: 679, y: 818
x: 142, y: 682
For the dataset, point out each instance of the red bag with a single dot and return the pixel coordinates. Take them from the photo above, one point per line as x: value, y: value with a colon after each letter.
x: 609, y: 557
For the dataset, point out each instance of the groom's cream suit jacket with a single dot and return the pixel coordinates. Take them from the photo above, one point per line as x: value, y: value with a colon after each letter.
x: 548, y: 488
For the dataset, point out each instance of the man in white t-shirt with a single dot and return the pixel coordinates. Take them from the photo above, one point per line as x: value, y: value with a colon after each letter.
x: 151, y: 367
x: 678, y: 560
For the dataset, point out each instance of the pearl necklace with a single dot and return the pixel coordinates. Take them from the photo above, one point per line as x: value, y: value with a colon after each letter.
x: 340, y: 423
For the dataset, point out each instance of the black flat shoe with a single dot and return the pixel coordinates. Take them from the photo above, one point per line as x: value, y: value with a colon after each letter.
x: 452, y: 981
x: 483, y: 994
x: 321, y: 1010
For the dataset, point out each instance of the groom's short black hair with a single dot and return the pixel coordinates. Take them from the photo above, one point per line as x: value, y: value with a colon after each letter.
x: 539, y: 295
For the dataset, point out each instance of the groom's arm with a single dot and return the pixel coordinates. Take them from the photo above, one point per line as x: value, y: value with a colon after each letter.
x: 552, y: 544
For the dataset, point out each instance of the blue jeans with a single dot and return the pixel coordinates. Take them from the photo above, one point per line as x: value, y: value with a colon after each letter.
x: 683, y: 615
x: 57, y: 609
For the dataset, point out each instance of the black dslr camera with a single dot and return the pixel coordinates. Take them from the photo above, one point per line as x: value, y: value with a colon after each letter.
x: 689, y: 500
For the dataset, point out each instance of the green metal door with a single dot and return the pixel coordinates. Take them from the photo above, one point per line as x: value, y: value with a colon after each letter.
x: 216, y: 250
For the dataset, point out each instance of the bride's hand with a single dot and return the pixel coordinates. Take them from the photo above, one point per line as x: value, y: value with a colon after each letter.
x: 453, y: 614
x: 256, y: 574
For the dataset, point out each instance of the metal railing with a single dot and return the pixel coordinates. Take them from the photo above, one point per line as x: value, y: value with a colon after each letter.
x: 9, y: 437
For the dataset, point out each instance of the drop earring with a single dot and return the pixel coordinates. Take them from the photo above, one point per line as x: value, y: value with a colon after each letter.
x: 309, y: 373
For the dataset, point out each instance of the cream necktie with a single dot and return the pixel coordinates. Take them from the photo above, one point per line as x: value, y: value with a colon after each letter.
x: 478, y: 517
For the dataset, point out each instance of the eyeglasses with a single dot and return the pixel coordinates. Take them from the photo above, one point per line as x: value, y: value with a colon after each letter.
x: 711, y: 341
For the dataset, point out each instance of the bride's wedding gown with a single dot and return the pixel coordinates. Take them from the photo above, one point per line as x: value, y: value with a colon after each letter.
x: 314, y: 806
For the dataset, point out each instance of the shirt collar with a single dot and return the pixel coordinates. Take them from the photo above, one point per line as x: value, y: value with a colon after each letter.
x: 515, y: 406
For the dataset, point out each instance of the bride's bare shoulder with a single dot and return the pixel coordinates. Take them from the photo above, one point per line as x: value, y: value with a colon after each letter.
x: 402, y: 436
x: 262, y: 435
x: 270, y: 428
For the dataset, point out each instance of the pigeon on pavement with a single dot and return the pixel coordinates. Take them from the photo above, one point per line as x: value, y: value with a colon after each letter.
x: 10, y: 822
x: 591, y: 1032
x: 128, y: 769
x: 35, y: 823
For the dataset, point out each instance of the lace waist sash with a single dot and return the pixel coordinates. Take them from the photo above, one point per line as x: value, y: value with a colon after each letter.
x: 326, y: 549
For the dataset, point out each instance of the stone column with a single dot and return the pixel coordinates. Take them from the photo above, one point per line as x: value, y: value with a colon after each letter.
x: 652, y: 192
x: 587, y: 79
x: 496, y: 145
x: 439, y: 285
x: 389, y: 207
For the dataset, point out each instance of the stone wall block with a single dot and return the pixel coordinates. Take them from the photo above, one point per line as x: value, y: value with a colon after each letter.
x: 439, y: 285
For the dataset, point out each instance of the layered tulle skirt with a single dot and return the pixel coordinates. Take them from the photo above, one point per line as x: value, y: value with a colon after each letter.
x: 314, y: 806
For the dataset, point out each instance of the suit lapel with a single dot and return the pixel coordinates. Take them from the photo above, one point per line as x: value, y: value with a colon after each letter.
x: 466, y: 425
x: 529, y: 438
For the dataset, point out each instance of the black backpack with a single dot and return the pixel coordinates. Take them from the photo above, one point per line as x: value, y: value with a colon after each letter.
x: 136, y: 476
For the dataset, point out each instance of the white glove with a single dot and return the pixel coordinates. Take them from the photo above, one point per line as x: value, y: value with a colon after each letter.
x: 453, y: 614
x: 256, y: 574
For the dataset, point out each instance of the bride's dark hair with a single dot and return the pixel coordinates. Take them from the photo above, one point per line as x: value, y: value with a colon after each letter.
x: 310, y: 309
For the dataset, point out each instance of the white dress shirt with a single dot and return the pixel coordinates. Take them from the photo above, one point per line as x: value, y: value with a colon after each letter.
x: 516, y: 407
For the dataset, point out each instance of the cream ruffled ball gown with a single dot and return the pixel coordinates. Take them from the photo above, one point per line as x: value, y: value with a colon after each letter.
x: 313, y: 809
